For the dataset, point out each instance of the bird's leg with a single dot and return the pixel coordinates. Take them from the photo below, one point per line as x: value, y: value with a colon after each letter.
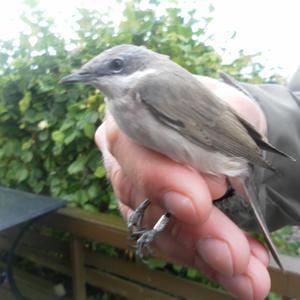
x: 134, y: 223
x: 147, y: 236
x: 143, y: 236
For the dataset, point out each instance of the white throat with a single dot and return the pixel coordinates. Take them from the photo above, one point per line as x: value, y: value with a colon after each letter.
x: 116, y: 86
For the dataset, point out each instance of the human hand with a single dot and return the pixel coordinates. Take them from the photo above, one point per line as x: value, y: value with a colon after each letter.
x: 200, y: 235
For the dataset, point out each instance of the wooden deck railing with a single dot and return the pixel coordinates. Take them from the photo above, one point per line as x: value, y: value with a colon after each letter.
x: 123, y: 277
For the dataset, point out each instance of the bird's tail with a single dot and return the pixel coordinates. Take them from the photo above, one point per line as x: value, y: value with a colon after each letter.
x: 245, y: 188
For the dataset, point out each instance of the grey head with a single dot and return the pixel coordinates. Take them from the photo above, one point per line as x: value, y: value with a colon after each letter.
x: 111, y: 70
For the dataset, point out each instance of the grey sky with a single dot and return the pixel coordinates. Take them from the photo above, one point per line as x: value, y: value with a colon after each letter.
x: 269, y: 27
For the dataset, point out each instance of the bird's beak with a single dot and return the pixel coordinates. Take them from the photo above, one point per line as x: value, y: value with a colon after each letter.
x: 77, y: 77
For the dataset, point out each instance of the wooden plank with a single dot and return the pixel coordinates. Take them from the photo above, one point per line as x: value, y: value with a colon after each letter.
x: 156, y: 279
x: 5, y: 293
x: 32, y: 254
x: 286, y: 284
x: 78, y: 269
x: 124, y: 288
x: 112, y: 230
x: 32, y: 287
x: 43, y: 244
x: 102, y: 228
x: 103, y: 219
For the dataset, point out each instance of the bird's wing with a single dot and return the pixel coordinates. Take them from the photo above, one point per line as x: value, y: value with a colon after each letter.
x: 197, y: 114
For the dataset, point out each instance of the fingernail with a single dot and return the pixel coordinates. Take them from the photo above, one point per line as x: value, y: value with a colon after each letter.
x: 180, y: 206
x: 239, y: 285
x: 217, y: 254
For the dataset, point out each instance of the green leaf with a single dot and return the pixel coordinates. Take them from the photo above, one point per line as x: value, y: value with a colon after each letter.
x: 192, y: 273
x: 21, y: 174
x: 78, y: 165
x: 25, y: 102
x: 71, y: 137
x: 43, y: 135
x: 93, y: 191
x: 100, y: 172
x: 155, y: 263
x: 27, y: 145
x: 58, y: 136
x: 92, y: 117
x: 89, y: 130
x: 27, y: 156
x: 91, y: 208
x: 67, y: 124
x: 82, y: 197
x: 113, y: 205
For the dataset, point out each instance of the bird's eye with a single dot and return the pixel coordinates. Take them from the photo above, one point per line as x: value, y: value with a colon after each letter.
x: 117, y: 64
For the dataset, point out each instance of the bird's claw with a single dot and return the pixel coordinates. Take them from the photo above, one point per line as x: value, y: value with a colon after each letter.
x: 147, y: 236
x: 142, y: 236
x: 144, y: 242
x: 134, y: 223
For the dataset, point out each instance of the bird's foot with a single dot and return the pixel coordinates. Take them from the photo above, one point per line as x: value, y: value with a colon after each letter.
x: 147, y: 236
x: 134, y: 223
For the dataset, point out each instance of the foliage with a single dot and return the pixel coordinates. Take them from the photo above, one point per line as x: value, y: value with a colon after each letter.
x: 287, y: 240
x: 46, y: 129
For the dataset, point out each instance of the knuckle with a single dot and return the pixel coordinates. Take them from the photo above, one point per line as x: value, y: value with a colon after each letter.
x: 121, y: 185
x: 107, y: 136
x: 147, y: 178
x: 117, y: 180
x: 113, y: 137
x: 99, y: 134
x: 124, y: 210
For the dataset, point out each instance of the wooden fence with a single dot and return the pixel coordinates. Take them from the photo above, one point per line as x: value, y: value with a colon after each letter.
x: 118, y: 276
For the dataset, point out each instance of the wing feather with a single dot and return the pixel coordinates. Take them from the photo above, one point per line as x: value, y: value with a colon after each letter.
x: 197, y: 114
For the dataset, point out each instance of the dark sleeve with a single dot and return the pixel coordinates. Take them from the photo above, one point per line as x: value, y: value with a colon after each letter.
x: 279, y: 195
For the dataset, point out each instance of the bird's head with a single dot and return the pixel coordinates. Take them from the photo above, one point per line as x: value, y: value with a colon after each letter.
x: 116, y: 69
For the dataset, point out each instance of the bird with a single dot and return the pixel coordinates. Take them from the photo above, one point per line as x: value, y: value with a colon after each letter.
x: 162, y: 106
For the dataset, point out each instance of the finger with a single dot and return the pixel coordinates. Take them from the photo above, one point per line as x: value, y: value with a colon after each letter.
x: 217, y: 185
x: 121, y: 184
x: 128, y: 194
x: 125, y: 210
x: 254, y: 284
x: 258, y: 250
x: 100, y: 138
x: 260, y: 278
x: 218, y: 241
x: 173, y: 186
x: 174, y: 250
x: 110, y: 163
